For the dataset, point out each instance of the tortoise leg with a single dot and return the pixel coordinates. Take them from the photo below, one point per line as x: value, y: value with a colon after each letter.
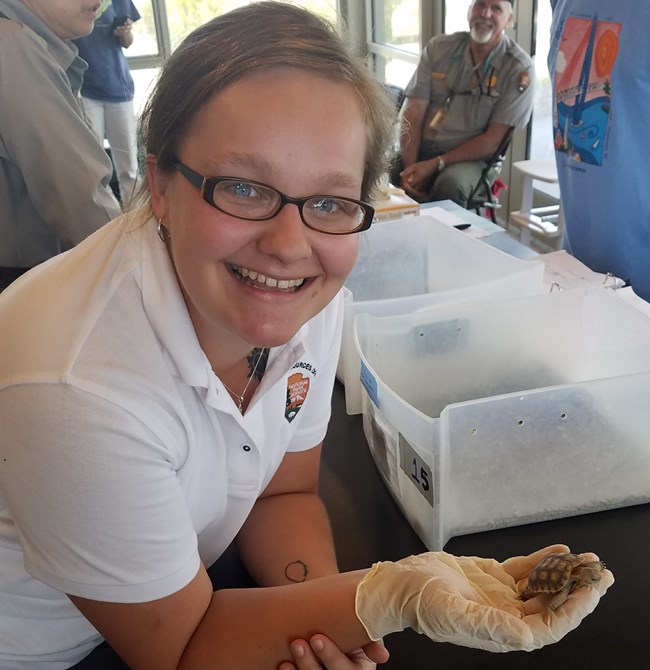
x: 561, y: 596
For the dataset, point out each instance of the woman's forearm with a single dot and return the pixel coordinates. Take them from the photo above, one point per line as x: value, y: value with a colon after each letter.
x: 287, y: 539
x: 251, y: 629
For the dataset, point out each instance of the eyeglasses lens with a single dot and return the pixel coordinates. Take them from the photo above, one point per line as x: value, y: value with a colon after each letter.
x: 252, y: 201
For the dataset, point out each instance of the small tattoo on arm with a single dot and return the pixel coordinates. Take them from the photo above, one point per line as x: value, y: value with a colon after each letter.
x: 296, y: 571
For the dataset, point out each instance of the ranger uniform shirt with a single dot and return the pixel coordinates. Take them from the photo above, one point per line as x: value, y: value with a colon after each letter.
x: 499, y: 90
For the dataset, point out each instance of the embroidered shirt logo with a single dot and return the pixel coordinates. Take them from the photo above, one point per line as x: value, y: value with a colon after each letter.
x: 297, y: 389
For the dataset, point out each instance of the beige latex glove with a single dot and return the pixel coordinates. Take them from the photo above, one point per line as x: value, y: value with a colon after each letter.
x: 470, y: 601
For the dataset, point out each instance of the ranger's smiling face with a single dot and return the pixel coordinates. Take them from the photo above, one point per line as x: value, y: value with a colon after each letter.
x: 488, y: 19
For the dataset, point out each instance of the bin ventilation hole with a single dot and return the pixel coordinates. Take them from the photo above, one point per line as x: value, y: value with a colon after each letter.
x: 520, y: 422
x: 563, y: 416
x: 473, y: 431
x: 420, y: 334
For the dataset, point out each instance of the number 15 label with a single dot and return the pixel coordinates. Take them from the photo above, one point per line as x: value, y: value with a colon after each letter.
x: 416, y: 469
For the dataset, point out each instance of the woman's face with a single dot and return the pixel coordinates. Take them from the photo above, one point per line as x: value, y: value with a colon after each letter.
x: 300, y: 133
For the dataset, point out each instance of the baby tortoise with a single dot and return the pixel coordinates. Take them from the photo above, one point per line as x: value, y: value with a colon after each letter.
x: 560, y: 574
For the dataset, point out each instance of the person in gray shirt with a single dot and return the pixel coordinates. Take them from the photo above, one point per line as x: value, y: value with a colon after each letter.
x: 469, y: 89
x: 54, y: 175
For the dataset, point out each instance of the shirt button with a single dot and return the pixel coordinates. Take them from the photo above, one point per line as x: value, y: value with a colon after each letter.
x: 246, y: 447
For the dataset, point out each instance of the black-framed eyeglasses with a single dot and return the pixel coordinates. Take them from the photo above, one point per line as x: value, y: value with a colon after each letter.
x: 254, y: 201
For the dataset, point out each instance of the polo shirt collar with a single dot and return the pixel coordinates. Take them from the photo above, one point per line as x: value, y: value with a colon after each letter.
x: 167, y: 312
x: 499, y: 51
x: 495, y: 56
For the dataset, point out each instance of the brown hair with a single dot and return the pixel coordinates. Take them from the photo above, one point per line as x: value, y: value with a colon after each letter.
x: 245, y: 41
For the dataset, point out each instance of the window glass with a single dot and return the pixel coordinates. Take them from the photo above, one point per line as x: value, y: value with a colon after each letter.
x: 541, y: 127
x: 185, y: 15
x: 326, y: 8
x: 143, y: 80
x: 456, y: 15
x: 182, y: 17
x: 396, y: 23
x: 397, y: 71
x: 144, y: 32
x: 541, y: 131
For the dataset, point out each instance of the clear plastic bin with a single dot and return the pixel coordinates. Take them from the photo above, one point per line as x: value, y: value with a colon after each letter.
x: 499, y: 414
x: 417, y: 263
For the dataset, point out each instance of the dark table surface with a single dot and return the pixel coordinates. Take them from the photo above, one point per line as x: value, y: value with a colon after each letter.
x: 369, y: 526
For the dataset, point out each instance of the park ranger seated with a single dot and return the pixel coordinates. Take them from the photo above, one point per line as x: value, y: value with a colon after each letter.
x: 469, y: 89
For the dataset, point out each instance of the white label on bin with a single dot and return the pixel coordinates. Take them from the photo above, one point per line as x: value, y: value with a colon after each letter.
x: 369, y: 383
x: 418, y: 472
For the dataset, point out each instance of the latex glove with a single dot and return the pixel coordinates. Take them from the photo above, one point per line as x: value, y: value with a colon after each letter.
x: 469, y: 601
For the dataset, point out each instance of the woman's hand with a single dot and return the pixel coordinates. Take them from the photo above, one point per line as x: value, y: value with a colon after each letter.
x: 470, y: 601
x: 321, y: 652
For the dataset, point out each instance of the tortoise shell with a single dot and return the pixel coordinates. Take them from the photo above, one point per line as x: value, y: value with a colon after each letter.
x: 560, y: 574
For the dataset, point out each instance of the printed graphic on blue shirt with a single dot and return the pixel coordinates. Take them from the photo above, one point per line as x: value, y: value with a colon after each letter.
x: 583, y: 87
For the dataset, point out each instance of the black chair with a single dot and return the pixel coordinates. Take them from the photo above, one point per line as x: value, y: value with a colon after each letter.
x: 483, y: 196
x: 396, y: 94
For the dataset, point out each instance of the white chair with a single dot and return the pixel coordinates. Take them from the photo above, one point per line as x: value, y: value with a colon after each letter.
x: 543, y: 225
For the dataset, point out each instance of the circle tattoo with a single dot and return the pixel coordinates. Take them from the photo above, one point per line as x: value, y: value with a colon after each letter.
x: 296, y: 572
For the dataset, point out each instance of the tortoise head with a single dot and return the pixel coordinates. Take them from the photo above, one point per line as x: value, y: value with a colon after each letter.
x: 590, y: 573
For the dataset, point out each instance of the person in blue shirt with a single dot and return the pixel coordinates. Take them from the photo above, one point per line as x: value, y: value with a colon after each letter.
x: 601, y: 93
x: 108, y: 87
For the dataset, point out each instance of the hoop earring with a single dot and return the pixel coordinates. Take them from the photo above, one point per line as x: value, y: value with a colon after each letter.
x: 163, y: 233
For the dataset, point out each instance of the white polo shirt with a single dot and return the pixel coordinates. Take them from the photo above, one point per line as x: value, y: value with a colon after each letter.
x: 124, y: 461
